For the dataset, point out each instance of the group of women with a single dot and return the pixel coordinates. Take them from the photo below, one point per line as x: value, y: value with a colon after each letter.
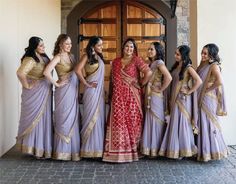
x: 152, y: 111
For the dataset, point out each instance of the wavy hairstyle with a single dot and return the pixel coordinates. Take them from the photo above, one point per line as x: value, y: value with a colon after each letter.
x: 60, y: 40
x: 90, y: 49
x: 160, y: 52
x: 30, y: 50
x: 185, y: 57
x: 133, y: 42
x: 213, y: 51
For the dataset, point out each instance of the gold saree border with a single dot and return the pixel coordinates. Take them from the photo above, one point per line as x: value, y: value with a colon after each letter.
x: 33, y: 151
x: 212, y: 95
x: 187, y: 115
x: 65, y: 138
x: 91, y: 154
x: 94, y: 73
x: 90, y: 127
x: 160, y: 95
x: 213, y: 156
x: 66, y: 156
x: 218, y: 100
x: 179, y: 153
x: 93, y: 120
x: 203, y: 91
x: 37, y: 119
x: 150, y: 152
x: 220, y: 111
x: 156, y: 117
x: 173, y: 98
x: 210, y: 116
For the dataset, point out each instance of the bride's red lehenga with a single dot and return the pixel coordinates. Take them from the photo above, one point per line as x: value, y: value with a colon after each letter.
x: 125, y: 119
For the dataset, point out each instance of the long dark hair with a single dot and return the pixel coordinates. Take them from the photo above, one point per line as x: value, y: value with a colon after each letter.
x: 60, y: 40
x: 213, y: 51
x: 90, y: 49
x: 185, y: 57
x: 160, y: 52
x: 30, y: 50
x: 133, y: 42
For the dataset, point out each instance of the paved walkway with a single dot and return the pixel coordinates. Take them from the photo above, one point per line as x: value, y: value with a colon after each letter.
x: 18, y: 168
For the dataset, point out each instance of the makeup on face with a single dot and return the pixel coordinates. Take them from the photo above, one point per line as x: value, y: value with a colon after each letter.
x: 41, y: 48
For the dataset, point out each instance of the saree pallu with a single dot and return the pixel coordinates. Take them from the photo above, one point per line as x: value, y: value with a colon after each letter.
x: 211, y: 144
x: 93, y: 118
x: 178, y: 140
x: 66, y: 121
x: 154, y: 121
x: 124, y: 124
x: 35, y: 126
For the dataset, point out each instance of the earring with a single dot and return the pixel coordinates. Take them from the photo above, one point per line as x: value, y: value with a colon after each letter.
x: 93, y: 51
x: 211, y: 60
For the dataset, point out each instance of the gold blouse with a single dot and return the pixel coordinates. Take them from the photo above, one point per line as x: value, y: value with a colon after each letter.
x: 187, y: 81
x: 157, y: 77
x: 211, y: 81
x: 63, y: 68
x: 90, y: 69
x: 32, y: 69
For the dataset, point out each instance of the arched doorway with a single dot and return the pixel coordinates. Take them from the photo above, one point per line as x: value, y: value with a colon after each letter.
x: 145, y: 21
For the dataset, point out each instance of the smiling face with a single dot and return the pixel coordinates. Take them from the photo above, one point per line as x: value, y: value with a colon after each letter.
x: 40, y: 48
x: 178, y: 57
x: 152, y: 52
x: 128, y: 49
x: 98, y: 47
x: 205, y: 55
x: 66, y: 45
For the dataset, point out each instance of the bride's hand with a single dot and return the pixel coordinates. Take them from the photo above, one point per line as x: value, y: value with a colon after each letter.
x: 93, y: 84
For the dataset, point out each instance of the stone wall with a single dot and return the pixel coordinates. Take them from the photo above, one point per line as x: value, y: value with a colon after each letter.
x: 182, y: 13
x: 66, y: 7
x: 183, y: 23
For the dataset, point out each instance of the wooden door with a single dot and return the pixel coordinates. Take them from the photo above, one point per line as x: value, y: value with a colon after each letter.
x: 144, y: 25
x: 116, y: 21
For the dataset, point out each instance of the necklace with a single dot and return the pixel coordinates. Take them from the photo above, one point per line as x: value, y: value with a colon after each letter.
x: 125, y: 61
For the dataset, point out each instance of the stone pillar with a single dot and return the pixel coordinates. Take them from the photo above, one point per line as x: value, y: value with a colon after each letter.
x: 183, y: 26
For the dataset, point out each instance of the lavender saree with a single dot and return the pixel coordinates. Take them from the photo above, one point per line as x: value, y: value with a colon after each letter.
x: 35, y: 126
x: 66, y: 115
x: 211, y: 145
x: 93, y: 118
x: 154, y: 124
x: 178, y: 140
